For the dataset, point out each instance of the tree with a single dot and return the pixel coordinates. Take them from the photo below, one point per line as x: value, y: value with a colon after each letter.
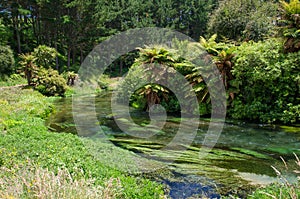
x: 154, y: 93
x: 290, y: 14
x: 151, y: 72
x: 74, y: 27
x: 18, y: 16
x: 243, y: 19
x: 4, y: 33
x: 27, y: 63
x: 187, y: 16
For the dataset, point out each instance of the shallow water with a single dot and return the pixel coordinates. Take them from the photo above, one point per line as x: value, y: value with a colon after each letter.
x: 241, y: 159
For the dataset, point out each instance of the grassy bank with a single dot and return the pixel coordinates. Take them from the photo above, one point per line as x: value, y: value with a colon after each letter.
x: 35, y: 163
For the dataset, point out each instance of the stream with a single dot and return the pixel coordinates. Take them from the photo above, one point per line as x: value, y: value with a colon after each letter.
x: 240, y: 161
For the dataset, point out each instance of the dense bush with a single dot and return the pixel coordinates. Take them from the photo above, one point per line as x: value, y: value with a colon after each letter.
x: 268, y: 83
x: 50, y: 83
x: 240, y: 19
x: 7, y: 61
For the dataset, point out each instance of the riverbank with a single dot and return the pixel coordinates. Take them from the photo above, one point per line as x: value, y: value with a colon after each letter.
x: 26, y: 143
x: 98, y: 167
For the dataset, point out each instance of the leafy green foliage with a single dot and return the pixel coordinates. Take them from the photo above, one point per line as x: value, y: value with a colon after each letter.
x: 50, y: 83
x: 45, y: 56
x: 221, y: 54
x: 28, y: 66
x: 268, y: 82
x: 243, y: 20
x: 7, y: 61
x: 37, y: 67
x: 291, y: 29
x: 273, y: 191
x: 4, y: 33
x: 161, y: 64
x: 293, y: 7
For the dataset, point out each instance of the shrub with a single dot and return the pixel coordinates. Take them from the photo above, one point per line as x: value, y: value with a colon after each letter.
x: 7, y: 61
x: 268, y: 82
x: 45, y: 56
x: 50, y: 83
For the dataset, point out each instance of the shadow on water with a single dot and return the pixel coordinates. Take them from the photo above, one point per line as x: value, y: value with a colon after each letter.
x: 241, y: 159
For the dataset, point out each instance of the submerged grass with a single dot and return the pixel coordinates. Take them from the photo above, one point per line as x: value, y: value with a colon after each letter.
x: 58, y: 158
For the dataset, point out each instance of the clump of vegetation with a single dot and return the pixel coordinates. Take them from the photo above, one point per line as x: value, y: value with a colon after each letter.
x: 32, y: 181
x: 50, y: 83
x: 290, y: 14
x: 243, y: 20
x: 7, y: 61
x: 28, y: 66
x: 154, y: 67
x: 283, y: 190
x: 37, y: 68
x: 45, y: 56
x: 268, y: 83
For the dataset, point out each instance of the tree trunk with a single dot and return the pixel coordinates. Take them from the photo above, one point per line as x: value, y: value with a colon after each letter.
x: 81, y: 55
x: 69, y: 58
x: 18, y: 40
x: 17, y: 30
x: 121, y: 66
x: 73, y: 56
x: 56, y: 58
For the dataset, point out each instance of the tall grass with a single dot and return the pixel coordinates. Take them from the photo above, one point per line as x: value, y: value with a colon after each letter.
x: 32, y: 181
x: 284, y: 189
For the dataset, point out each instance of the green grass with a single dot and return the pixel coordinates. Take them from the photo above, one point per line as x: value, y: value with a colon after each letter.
x: 277, y: 191
x: 24, y: 137
x: 285, y: 189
